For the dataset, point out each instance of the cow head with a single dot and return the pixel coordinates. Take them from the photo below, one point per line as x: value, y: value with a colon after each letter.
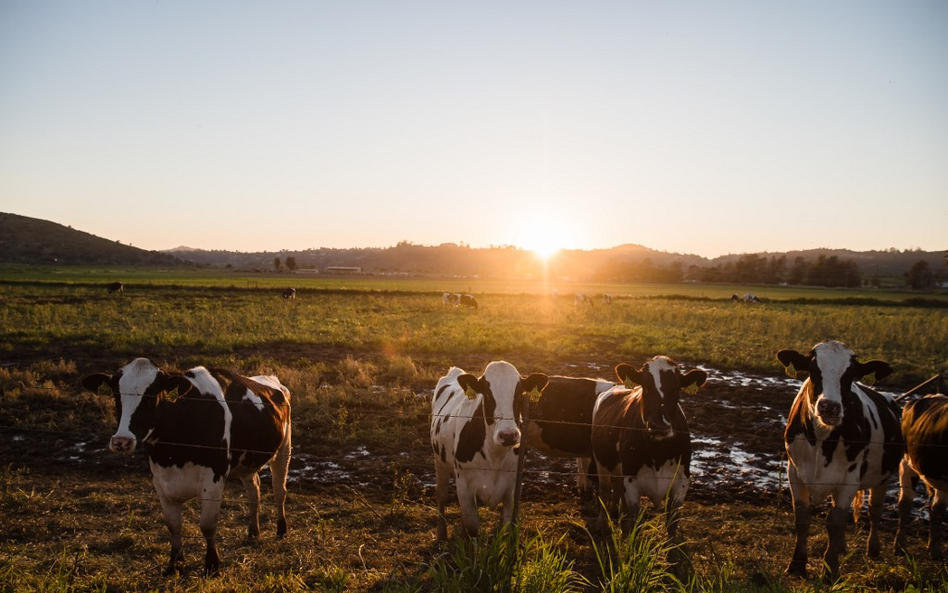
x: 136, y: 388
x: 832, y: 368
x: 504, y: 393
x: 661, y: 381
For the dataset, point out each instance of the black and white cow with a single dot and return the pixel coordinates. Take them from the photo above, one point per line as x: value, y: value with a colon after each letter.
x: 289, y: 294
x: 841, y: 438
x: 640, y: 438
x: 468, y: 300
x: 116, y: 287
x: 475, y: 435
x: 925, y: 427
x: 583, y: 299
x: 451, y: 298
x: 194, y: 442
x: 747, y: 298
x: 560, y: 422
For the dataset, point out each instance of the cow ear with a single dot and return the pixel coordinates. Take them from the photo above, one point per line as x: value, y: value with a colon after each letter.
x: 169, y: 383
x: 792, y: 362
x: 469, y: 384
x: 693, y: 380
x: 533, y: 385
x: 96, y: 380
x: 872, y: 371
x: 627, y: 375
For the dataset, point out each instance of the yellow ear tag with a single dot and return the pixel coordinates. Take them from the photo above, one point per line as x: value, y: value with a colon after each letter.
x: 691, y: 389
x: 534, y: 395
x: 791, y: 371
x: 869, y: 380
x: 470, y: 393
x: 629, y: 383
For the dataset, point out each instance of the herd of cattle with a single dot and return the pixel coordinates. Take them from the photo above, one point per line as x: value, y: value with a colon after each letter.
x: 842, y: 439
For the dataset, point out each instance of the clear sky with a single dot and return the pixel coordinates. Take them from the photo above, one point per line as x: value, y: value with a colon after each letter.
x: 705, y: 127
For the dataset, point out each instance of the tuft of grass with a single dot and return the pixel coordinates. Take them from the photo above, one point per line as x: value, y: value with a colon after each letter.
x: 637, y: 561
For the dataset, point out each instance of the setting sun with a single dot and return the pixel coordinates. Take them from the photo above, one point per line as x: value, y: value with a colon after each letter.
x: 544, y: 238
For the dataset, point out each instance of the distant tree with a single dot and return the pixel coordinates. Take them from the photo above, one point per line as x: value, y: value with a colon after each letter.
x: 276, y: 264
x: 920, y: 276
x: 291, y: 263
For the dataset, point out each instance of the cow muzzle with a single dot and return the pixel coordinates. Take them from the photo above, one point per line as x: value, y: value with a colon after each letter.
x: 508, y: 438
x: 122, y: 445
x: 829, y: 412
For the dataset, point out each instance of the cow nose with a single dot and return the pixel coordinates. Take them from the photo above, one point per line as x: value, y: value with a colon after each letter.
x: 826, y: 407
x: 122, y: 444
x: 509, y: 438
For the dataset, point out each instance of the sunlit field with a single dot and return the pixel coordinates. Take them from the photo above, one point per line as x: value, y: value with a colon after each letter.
x: 361, y: 356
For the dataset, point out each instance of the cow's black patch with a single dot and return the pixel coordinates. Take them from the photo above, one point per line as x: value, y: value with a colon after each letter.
x: 472, y: 435
x: 564, y: 415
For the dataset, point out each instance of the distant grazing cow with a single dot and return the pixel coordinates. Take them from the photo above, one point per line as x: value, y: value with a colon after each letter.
x: 196, y: 441
x: 606, y: 299
x: 841, y: 438
x: 289, y: 294
x: 475, y: 434
x: 560, y: 422
x: 925, y: 427
x: 640, y: 438
x: 450, y: 298
x: 468, y: 301
x: 583, y: 299
x: 747, y: 298
x: 116, y: 287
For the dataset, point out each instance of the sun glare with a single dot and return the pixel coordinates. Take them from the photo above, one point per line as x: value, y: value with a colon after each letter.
x: 542, y: 239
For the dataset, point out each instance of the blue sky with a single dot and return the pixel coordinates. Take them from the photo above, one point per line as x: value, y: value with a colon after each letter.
x: 694, y: 127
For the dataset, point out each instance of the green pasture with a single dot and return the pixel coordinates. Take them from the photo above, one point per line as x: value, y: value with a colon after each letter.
x: 188, y: 318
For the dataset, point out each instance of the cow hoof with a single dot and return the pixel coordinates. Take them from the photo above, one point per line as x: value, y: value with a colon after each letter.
x: 281, y: 529
x: 796, y: 569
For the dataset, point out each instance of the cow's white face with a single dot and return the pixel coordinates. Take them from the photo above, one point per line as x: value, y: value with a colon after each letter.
x: 833, y: 369
x: 136, y: 388
x: 831, y: 373
x: 501, y: 385
x: 661, y: 381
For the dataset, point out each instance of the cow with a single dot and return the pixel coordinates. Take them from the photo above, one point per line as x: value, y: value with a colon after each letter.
x: 194, y: 442
x: 607, y: 299
x: 468, y: 301
x: 747, y: 298
x: 641, y: 442
x: 582, y: 299
x: 451, y: 298
x: 116, y: 287
x: 925, y: 428
x: 475, y: 437
x: 841, y: 438
x: 289, y: 294
x: 560, y: 422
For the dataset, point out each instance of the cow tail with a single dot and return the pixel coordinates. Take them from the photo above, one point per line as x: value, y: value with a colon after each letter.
x: 857, y: 504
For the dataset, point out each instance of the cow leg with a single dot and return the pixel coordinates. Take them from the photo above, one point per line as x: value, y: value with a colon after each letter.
x: 936, y: 515
x: 442, y: 477
x: 279, y: 468
x: 210, y: 512
x: 836, y: 530
x: 468, y: 503
x: 171, y: 509
x: 633, y: 504
x: 252, y: 488
x: 584, y: 480
x: 907, y: 479
x: 802, y: 514
x: 876, y: 500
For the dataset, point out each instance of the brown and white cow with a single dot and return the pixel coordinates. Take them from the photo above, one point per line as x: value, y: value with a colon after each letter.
x: 841, y: 438
x: 640, y: 438
x: 560, y: 422
x: 925, y: 427
x: 194, y: 442
x: 475, y: 435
